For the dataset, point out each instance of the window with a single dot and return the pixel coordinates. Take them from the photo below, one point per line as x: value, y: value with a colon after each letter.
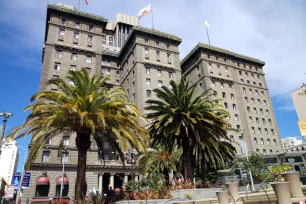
x: 238, y: 127
x: 218, y: 66
x: 147, y: 70
x: 48, y: 140
x: 226, y: 69
x: 61, y: 32
x: 262, y: 93
x: 46, y: 156
x: 91, y: 28
x: 234, y: 106
x: 232, y: 96
x: 65, y: 157
x: 74, y: 56
x: 242, y: 81
x: 108, y: 71
x: 63, y: 21
x: 88, y: 70
x: 159, y: 72
x: 55, y: 77
x: 263, y: 121
x: 146, y: 52
x: 117, y: 82
x: 89, y: 38
x: 261, y: 141
x: 66, y: 140
x: 257, y: 150
x: 272, y: 131
x: 257, y: 120
x: 250, y: 91
x: 213, y: 83
x: 260, y: 85
x: 248, y: 82
x: 88, y: 59
x: 254, y: 83
x: 167, y: 46
x: 256, y: 92
x: 258, y: 77
x: 248, y: 109
x: 223, y: 95
x: 117, y: 73
x: 246, y: 99
x: 261, y: 112
x: 72, y: 67
x: 231, y: 138
x: 240, y: 73
x: 250, y: 119
x: 265, y: 102
x: 106, y: 145
x: 157, y: 44
x: 209, y: 66
x: 271, y: 151
x: 157, y: 56
x: 58, y: 54
x: 76, y: 35
x: 225, y: 105
x: 57, y: 66
x: 148, y: 81
x: 134, y: 97
x: 160, y: 83
x: 274, y: 141
x: 244, y: 90
x: 252, y: 100
x: 253, y: 129
x: 267, y: 112
x: 255, y: 110
x: 246, y: 74
x: 148, y: 93
x: 77, y: 25
x: 266, y: 131
x: 106, y: 156
x: 170, y: 74
x: 230, y: 86
x: 269, y: 121
x: 236, y: 117
x: 146, y: 41
x: 255, y: 140
x: 169, y: 58
x: 252, y: 75
x: 268, y: 141
x: 264, y: 151
x: 258, y: 101
x: 222, y: 84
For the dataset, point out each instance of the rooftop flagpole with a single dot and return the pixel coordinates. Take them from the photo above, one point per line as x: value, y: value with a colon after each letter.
x: 207, y: 26
x: 152, y: 15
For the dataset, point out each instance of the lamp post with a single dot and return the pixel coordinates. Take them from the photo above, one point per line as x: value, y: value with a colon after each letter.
x: 5, y: 115
x: 22, y: 174
x: 245, y: 151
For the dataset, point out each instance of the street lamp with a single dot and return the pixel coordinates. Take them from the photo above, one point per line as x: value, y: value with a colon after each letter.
x: 22, y: 174
x: 5, y: 115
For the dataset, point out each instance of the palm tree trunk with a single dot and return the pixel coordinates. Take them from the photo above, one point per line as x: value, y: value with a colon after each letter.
x: 187, y: 157
x: 83, y: 144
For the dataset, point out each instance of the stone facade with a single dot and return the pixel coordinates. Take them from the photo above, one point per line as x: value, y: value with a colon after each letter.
x: 138, y: 59
x: 240, y: 81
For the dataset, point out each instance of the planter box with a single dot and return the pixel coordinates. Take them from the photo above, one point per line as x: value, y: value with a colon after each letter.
x: 197, y: 194
x: 282, y: 192
x: 295, y: 186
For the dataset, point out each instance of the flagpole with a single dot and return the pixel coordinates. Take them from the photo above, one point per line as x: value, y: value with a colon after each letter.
x: 79, y: 5
x: 207, y: 34
x: 152, y: 15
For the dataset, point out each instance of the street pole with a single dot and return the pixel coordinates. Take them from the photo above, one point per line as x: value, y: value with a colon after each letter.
x: 22, y: 174
x: 6, y: 115
x: 62, y: 183
x: 246, y: 152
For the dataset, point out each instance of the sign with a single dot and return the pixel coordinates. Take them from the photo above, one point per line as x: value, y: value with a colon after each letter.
x: 302, y: 126
x: 291, y: 160
x: 244, y: 174
x: 26, y: 180
x: 9, y: 191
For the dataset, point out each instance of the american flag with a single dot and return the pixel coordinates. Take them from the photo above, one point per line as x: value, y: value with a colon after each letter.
x: 87, y: 1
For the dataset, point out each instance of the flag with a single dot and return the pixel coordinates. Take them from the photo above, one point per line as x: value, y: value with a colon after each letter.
x: 207, y: 24
x: 144, y: 11
x: 87, y: 1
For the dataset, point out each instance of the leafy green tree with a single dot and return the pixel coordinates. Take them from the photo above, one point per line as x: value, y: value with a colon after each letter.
x: 85, y: 107
x: 195, y: 123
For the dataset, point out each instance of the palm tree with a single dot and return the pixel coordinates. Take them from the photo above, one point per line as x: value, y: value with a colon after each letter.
x: 86, y: 107
x: 197, y: 124
x: 160, y: 161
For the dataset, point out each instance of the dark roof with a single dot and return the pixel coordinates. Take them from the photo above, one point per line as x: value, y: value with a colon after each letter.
x: 157, y: 33
x: 76, y: 13
x: 223, y: 51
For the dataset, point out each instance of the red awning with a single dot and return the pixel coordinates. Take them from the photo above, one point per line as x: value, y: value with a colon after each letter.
x: 43, y: 180
x: 59, y: 181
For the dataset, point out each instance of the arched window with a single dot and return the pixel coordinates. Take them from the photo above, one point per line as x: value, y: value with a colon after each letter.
x: 42, y: 186
x: 65, y: 186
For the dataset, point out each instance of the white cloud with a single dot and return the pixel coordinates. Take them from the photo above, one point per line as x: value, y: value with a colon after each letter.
x: 273, y: 31
x: 286, y: 108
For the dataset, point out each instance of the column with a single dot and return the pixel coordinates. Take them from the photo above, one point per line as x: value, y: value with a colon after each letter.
x: 111, y: 181
x: 140, y: 177
x: 126, y: 178
x: 100, y: 183
x: 136, y: 178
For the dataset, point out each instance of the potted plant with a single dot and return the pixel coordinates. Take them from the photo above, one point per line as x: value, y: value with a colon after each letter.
x: 223, y: 195
x: 293, y: 178
x: 280, y: 186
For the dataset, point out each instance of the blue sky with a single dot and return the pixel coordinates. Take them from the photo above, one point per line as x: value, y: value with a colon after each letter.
x: 273, y: 31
